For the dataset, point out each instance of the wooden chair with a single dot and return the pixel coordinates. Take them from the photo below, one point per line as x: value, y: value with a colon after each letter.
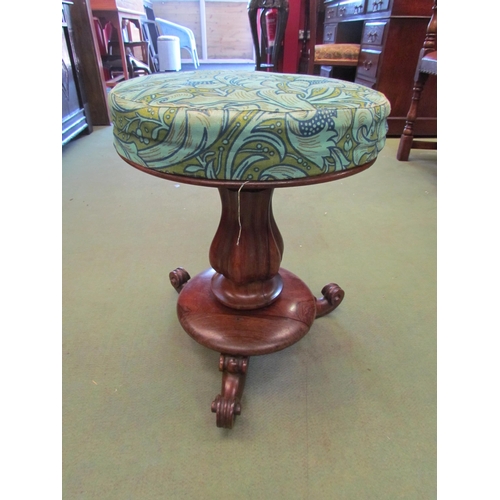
x: 114, y: 69
x: 427, y: 65
x: 150, y: 34
x: 267, y: 46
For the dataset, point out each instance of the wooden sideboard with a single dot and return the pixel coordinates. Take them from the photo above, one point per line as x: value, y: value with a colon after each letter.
x: 391, y: 33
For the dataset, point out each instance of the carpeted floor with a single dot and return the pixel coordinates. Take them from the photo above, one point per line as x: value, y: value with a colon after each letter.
x: 348, y: 413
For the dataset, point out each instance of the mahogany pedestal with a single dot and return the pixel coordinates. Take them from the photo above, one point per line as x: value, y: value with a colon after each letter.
x: 246, y: 304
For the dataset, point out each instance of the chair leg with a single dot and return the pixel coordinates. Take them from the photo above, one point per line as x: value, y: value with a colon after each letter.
x: 191, y: 54
x: 406, y: 140
x: 194, y: 55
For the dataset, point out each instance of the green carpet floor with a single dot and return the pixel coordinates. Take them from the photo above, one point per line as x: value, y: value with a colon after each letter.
x: 347, y: 413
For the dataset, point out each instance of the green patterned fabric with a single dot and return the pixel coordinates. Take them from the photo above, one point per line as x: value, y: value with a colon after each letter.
x: 240, y: 125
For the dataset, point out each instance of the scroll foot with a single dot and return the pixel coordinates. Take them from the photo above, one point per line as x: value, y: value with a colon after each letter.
x: 227, y: 405
x: 332, y: 297
x: 178, y: 278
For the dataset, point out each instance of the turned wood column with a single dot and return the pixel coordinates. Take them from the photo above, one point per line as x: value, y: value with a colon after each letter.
x: 247, y: 250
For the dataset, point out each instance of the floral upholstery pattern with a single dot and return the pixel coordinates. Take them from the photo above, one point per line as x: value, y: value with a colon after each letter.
x: 242, y: 125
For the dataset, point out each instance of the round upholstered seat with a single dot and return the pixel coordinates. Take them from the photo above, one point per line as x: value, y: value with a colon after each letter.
x: 247, y: 126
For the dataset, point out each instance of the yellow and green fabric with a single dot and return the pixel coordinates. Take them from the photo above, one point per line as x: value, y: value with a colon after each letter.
x: 248, y: 126
x: 340, y: 54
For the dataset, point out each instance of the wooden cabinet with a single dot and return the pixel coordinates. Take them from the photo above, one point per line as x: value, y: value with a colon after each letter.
x: 348, y: 8
x: 75, y: 115
x: 391, y: 33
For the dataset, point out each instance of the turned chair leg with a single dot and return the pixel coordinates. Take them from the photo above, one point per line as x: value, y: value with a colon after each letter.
x: 406, y: 141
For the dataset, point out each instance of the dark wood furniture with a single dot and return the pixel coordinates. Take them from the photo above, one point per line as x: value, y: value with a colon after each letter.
x: 267, y: 49
x: 115, y: 69
x: 120, y: 13
x: 246, y: 304
x: 75, y: 113
x: 247, y: 134
x: 90, y: 61
x: 427, y: 65
x: 390, y: 33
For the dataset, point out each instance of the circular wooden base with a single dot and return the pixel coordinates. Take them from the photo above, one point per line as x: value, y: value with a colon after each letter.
x: 246, y: 333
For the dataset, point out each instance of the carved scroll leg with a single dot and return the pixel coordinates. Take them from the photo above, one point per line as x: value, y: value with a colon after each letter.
x: 332, y: 297
x: 178, y: 278
x: 227, y: 405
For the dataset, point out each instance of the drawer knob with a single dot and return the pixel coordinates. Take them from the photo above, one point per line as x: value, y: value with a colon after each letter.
x: 367, y: 65
x: 372, y: 36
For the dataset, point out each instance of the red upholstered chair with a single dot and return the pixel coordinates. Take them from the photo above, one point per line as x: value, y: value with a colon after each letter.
x: 427, y: 65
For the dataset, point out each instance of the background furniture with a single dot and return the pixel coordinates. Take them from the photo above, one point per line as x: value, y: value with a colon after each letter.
x: 122, y: 13
x: 427, y: 65
x: 268, y: 19
x: 246, y: 134
x: 75, y: 112
x: 153, y: 27
x: 185, y: 36
x: 150, y: 34
x: 92, y: 72
x: 115, y: 68
x: 336, y: 55
x: 390, y: 33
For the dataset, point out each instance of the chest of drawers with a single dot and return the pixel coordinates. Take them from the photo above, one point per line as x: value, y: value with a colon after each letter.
x: 391, y: 33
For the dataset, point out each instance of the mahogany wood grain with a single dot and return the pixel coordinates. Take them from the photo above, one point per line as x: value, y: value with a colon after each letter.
x: 246, y: 304
x: 248, y: 333
x: 333, y: 295
x: 237, y: 184
x: 247, y: 250
x: 227, y: 404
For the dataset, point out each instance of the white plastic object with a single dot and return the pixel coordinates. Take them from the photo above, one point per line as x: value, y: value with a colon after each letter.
x: 169, y: 53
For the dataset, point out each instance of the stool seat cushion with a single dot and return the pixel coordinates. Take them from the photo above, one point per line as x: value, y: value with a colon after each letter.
x: 248, y: 126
